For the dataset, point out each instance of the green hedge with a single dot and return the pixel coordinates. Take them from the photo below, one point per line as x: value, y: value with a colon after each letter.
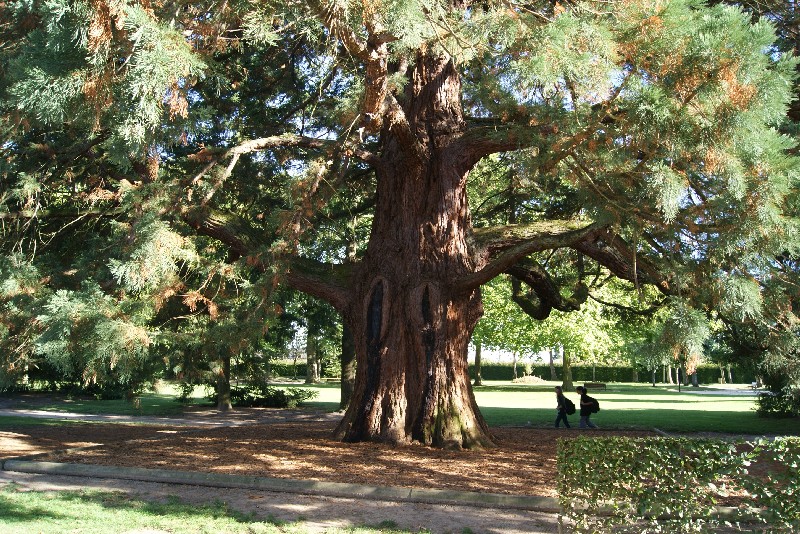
x: 264, y: 396
x: 617, y: 484
x: 286, y: 369
x: 706, y: 374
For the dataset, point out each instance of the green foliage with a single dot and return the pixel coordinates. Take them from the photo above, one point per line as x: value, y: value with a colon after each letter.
x: 674, y: 485
x: 70, y: 69
x: 87, y: 336
x: 264, y: 396
x: 782, y: 403
x: 153, y: 255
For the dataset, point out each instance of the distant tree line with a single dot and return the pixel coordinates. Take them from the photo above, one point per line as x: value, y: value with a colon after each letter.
x: 706, y: 374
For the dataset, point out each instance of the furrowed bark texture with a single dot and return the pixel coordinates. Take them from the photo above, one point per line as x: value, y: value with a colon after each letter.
x: 410, y: 329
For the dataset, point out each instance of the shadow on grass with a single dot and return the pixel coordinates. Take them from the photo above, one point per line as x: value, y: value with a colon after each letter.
x: 25, y: 508
x: 13, y: 512
x: 679, y: 414
x: 678, y: 402
x: 114, y: 511
x: 150, y: 404
x: 321, y: 406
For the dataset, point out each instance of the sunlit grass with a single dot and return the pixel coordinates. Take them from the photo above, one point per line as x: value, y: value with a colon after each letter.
x: 88, y: 512
x: 623, y: 406
x: 637, y: 406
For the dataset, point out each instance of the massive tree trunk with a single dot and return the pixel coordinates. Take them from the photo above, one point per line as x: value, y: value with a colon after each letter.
x: 413, y: 299
x: 411, y: 328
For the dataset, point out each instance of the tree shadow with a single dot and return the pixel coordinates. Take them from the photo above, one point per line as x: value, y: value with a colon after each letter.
x: 24, y: 509
x: 13, y: 512
x: 237, y: 510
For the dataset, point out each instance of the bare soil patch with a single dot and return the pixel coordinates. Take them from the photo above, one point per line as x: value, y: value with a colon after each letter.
x: 524, y: 462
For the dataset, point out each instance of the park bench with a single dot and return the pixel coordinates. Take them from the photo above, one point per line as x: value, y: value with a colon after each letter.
x: 594, y: 385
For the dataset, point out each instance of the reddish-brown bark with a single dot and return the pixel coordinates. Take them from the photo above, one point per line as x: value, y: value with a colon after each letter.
x: 411, y: 329
x: 413, y: 300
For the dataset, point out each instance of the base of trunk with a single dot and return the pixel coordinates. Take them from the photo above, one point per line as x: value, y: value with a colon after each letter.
x: 446, y: 418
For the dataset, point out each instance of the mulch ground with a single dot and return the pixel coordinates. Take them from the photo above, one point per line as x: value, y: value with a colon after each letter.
x: 523, y: 463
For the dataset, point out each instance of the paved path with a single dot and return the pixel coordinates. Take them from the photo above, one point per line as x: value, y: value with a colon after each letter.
x: 320, y: 506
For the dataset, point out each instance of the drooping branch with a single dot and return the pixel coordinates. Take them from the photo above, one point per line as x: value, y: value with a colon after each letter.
x: 332, y: 283
x: 643, y: 312
x: 619, y: 257
x: 544, y: 294
x: 499, y: 248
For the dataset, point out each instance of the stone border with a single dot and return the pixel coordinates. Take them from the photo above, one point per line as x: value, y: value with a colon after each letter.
x: 306, y: 487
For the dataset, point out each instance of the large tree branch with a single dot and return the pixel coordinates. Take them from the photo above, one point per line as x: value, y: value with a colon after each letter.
x: 372, y: 51
x: 224, y: 228
x: 499, y: 248
x: 482, y: 141
x: 329, y: 282
x: 509, y: 134
x: 544, y: 294
x: 619, y: 257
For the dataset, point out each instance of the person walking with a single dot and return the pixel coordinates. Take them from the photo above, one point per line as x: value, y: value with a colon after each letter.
x: 587, y: 408
x: 562, y: 407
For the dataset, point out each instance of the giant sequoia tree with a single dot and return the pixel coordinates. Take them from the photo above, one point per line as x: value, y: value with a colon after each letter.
x: 258, y: 137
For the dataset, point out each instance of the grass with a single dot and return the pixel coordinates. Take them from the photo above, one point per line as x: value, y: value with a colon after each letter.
x: 635, y: 406
x: 623, y: 406
x: 87, y: 512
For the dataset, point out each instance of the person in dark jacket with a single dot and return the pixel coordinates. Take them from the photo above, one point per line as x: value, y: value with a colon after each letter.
x: 561, y: 407
x: 587, y: 403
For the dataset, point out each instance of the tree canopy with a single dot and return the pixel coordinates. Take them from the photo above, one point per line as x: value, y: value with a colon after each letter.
x: 167, y: 166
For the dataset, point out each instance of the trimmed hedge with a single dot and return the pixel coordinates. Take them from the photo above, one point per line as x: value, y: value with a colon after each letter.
x: 617, y: 484
x: 286, y: 369
x: 706, y: 374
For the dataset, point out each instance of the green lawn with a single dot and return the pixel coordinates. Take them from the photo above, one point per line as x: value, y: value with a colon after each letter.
x: 87, y: 512
x: 623, y: 406
x: 629, y: 406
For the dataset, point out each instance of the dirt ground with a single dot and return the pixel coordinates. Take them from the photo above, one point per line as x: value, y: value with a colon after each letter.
x: 274, y: 443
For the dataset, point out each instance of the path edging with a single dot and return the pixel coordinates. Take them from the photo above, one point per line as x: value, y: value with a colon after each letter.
x: 307, y: 487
